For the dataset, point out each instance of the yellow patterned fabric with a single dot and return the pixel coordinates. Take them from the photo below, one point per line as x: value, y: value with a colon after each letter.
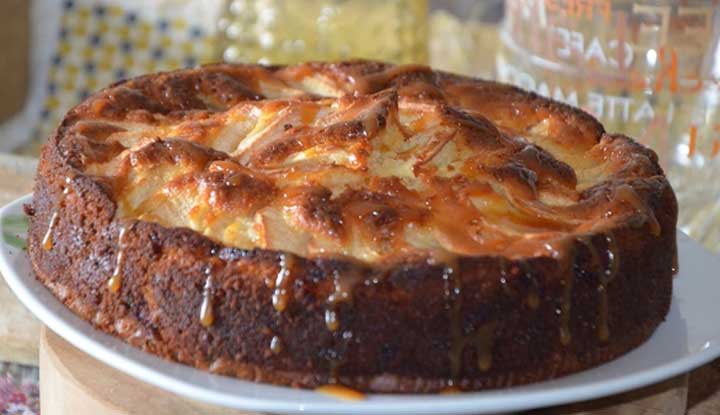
x: 98, y: 44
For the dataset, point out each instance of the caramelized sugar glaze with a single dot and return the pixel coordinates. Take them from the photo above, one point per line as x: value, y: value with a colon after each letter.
x: 387, y: 228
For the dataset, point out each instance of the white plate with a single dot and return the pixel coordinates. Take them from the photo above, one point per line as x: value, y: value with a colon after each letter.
x: 689, y: 338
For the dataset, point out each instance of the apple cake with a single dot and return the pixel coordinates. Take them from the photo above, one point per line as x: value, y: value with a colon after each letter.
x: 387, y: 228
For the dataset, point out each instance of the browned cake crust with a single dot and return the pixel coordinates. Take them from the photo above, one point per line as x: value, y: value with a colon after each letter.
x: 420, y: 321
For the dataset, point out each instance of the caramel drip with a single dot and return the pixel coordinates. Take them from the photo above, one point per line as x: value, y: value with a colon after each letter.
x: 533, y: 297
x: 565, y: 335
x: 341, y: 392
x: 115, y: 282
x: 607, y: 275
x: 338, y: 357
x: 675, y: 267
x: 450, y: 390
x: 533, y: 300
x: 452, y: 290
x: 481, y: 339
x: 334, y: 375
x: 207, y: 318
x: 343, y: 284
x: 47, y: 241
x: 285, y: 277
x: 602, y: 328
x: 332, y: 322
x: 628, y: 195
x: 276, y: 345
x: 504, y: 276
x: 568, y: 286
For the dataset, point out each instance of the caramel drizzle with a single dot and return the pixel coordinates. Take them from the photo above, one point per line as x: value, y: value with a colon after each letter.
x: 675, y: 267
x: 47, y: 241
x: 341, y: 392
x: 606, y: 273
x: 115, y: 282
x: 606, y: 276
x: 627, y: 194
x: 450, y: 390
x: 276, y: 345
x: 532, y: 300
x: 504, y: 283
x: 565, y: 334
x: 568, y: 286
x: 452, y: 289
x: 332, y: 322
x: 334, y: 375
x: 339, y: 356
x: 343, y: 284
x: 285, y: 277
x: 207, y: 317
x: 481, y: 339
x: 533, y: 297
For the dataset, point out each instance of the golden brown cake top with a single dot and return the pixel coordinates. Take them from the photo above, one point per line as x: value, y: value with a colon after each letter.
x: 360, y: 159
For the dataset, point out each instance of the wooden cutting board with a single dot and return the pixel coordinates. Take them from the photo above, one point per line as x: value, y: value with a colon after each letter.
x: 72, y: 382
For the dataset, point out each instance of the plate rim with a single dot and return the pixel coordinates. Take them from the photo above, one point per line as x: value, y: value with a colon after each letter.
x: 470, y: 402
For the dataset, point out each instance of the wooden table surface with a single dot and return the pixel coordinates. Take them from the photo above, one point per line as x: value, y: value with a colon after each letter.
x: 19, y: 337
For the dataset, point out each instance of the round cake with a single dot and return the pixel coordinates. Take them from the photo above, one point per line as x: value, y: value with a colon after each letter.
x: 387, y: 228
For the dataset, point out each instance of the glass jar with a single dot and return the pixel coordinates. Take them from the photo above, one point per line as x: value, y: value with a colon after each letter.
x: 649, y: 69
x: 464, y: 36
x: 289, y: 31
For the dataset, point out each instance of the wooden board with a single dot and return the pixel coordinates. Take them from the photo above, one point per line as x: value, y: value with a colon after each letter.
x: 71, y: 382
